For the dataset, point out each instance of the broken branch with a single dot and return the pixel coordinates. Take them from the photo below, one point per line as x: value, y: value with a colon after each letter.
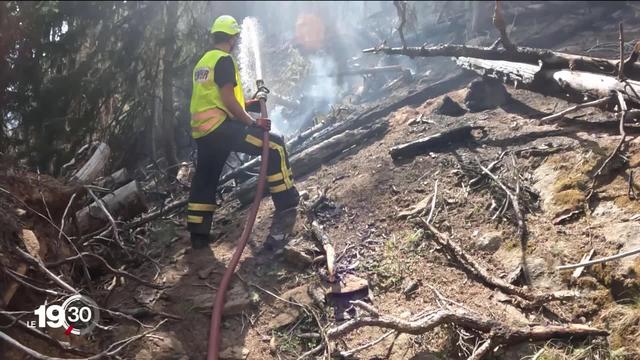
x: 623, y: 136
x: 504, y: 334
x: 522, y: 225
x: 621, y: 64
x: 595, y: 103
x: 498, y: 22
x: 527, y: 299
x: 322, y: 236
x: 433, y: 142
x: 106, y: 213
x: 599, y: 261
x: 112, y: 269
x: 112, y: 350
x: 47, y: 272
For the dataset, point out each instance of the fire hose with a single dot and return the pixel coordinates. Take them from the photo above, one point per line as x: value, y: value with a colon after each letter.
x: 216, y: 315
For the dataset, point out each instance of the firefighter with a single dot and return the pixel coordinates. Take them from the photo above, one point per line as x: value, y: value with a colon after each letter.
x: 220, y: 124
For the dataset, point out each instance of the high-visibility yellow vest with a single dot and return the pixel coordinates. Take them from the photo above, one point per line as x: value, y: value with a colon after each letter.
x: 207, y: 109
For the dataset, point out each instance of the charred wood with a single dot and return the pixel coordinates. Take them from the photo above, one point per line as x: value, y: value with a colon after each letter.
x: 432, y: 143
x: 94, y: 167
x: 114, y: 180
x: 549, y: 81
x: 550, y: 59
x: 126, y: 202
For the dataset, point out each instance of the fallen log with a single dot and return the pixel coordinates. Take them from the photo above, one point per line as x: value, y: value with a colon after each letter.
x: 145, y: 218
x: 412, y: 97
x: 125, y: 202
x: 433, y: 143
x: 94, y: 167
x: 114, y: 180
x: 550, y: 59
x: 577, y: 83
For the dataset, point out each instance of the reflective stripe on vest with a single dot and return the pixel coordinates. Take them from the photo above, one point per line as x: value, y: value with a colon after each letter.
x: 205, y: 122
x: 207, y: 109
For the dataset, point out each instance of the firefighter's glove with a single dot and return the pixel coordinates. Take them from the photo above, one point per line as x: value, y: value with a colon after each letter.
x: 263, y: 123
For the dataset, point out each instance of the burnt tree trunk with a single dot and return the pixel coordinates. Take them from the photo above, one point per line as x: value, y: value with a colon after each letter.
x: 168, y: 113
x: 94, y: 167
x: 114, y: 180
x: 432, y: 143
x: 126, y: 202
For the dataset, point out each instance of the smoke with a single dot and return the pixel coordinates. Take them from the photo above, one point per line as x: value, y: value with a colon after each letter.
x: 303, y: 45
x: 319, y: 91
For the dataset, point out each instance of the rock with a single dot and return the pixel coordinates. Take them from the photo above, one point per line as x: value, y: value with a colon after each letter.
x: 485, y: 94
x: 348, y: 284
x: 625, y: 235
x: 146, y: 296
x: 237, y: 301
x: 204, y: 273
x: 296, y: 256
x: 490, y: 242
x: 304, y: 195
x: 289, y: 313
x: 417, y: 209
x: 162, y: 346
x: 446, y: 106
x: 410, y: 287
x: 625, y: 277
x: 536, y: 266
x: 286, y: 317
x: 234, y: 353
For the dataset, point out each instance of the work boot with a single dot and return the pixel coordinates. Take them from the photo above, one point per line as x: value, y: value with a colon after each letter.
x: 199, y: 241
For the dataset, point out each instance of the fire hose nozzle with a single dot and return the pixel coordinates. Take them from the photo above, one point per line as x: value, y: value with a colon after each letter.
x: 262, y: 92
x: 261, y: 95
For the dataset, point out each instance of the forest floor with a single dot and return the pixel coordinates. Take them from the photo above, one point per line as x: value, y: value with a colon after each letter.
x: 368, y: 190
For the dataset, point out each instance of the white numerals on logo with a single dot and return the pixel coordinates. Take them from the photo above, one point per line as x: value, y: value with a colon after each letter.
x: 82, y: 314
x: 52, y: 315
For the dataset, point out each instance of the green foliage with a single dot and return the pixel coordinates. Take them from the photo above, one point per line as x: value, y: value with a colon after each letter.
x: 78, y: 71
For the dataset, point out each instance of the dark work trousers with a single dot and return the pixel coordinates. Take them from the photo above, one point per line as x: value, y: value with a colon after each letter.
x: 213, y: 151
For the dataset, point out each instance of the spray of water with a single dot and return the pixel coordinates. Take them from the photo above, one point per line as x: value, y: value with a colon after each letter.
x: 249, y: 57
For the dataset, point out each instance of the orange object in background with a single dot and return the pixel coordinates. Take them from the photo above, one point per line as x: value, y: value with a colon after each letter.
x: 310, y: 32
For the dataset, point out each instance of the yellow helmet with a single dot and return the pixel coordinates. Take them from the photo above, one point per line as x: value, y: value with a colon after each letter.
x: 226, y: 24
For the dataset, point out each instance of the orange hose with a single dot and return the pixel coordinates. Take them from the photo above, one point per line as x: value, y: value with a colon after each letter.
x: 216, y: 315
